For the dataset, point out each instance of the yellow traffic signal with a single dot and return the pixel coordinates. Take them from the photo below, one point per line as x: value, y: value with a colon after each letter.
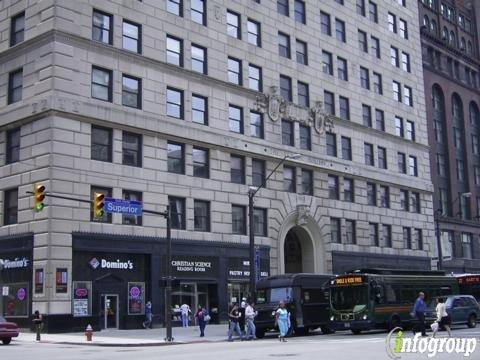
x: 98, y: 204
x: 38, y: 197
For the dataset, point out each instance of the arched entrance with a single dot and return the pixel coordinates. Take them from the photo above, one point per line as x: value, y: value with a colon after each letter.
x: 298, y: 251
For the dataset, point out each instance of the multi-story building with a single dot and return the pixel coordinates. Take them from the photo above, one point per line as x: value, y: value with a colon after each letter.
x: 188, y: 104
x: 451, y: 63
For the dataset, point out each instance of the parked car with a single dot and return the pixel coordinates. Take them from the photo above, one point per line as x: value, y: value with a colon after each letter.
x: 8, y: 330
x: 463, y: 309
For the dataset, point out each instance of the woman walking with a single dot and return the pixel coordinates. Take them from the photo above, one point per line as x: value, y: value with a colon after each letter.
x: 200, y: 315
x: 443, y: 319
x: 281, y: 320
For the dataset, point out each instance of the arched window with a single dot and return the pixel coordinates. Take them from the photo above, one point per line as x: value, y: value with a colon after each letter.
x: 462, y: 44
x: 433, y: 26
x: 445, y: 33
x: 452, y: 39
x: 474, y: 115
x: 426, y: 22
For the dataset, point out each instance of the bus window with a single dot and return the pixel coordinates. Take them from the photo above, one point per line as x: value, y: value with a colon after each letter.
x: 281, y: 294
x: 349, y: 298
x: 261, y: 296
x: 390, y: 296
x: 314, y: 296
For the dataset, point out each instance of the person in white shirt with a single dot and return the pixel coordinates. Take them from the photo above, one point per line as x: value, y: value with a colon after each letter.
x: 443, y: 319
x: 250, y: 314
x: 185, y: 309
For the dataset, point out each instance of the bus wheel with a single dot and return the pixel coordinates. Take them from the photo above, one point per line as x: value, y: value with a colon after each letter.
x: 327, y: 330
x: 356, y: 331
x: 472, y: 321
x: 394, y: 323
x: 260, y: 333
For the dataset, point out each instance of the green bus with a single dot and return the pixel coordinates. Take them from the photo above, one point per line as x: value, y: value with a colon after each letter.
x: 368, y: 299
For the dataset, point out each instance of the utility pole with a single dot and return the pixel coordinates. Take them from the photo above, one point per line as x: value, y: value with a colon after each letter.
x: 168, y: 282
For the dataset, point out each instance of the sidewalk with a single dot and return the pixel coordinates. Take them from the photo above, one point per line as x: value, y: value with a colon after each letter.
x: 140, y: 337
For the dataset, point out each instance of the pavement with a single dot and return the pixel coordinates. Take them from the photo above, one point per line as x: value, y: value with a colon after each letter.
x: 129, y: 338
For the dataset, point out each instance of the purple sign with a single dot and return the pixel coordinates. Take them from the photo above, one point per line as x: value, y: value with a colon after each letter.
x: 135, y: 292
x: 80, y: 293
x: 21, y: 294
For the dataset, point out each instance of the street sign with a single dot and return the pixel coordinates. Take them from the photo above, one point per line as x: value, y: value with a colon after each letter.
x: 127, y: 207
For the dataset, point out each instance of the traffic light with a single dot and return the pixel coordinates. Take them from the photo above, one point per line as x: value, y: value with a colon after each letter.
x: 38, y: 197
x: 98, y: 204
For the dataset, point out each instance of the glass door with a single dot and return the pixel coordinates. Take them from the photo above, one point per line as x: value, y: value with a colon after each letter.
x: 109, y: 314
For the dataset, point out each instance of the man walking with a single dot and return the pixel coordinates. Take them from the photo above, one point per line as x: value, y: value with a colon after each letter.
x: 147, y: 324
x: 185, y: 309
x: 234, y: 316
x: 250, y: 314
x: 419, y: 312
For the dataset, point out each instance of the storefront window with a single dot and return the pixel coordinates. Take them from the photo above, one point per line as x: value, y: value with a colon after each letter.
x: 16, y: 300
x: 39, y: 281
x: 61, y: 280
x: 136, y: 298
x: 82, y: 298
x: 237, y: 291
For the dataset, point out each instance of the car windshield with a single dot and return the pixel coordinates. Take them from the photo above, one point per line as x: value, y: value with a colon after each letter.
x: 354, y: 298
x: 274, y: 295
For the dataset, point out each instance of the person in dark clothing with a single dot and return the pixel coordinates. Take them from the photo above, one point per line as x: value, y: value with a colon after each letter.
x: 200, y: 315
x: 38, y: 323
x: 147, y: 324
x: 234, y: 316
x: 419, y: 313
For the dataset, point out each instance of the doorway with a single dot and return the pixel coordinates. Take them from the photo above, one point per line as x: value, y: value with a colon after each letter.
x: 109, y: 311
x: 193, y: 294
x: 298, y: 251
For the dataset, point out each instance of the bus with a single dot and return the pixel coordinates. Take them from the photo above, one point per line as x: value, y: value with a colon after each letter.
x: 469, y: 284
x: 305, y: 295
x: 368, y: 299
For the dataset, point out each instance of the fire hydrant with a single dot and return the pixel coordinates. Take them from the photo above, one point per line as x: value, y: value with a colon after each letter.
x: 89, y: 332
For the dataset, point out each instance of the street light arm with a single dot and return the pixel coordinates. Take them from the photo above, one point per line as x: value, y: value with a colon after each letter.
x: 252, y: 193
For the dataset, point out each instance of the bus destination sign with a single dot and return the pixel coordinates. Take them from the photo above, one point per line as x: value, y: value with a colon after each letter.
x: 348, y: 280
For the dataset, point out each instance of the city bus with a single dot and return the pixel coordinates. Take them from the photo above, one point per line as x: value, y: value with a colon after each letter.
x: 306, y: 297
x: 469, y: 284
x: 368, y: 299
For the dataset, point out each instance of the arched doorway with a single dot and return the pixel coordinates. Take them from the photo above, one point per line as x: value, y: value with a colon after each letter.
x: 298, y: 251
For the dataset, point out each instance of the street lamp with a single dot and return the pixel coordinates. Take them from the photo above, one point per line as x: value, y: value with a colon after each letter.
x: 252, y: 191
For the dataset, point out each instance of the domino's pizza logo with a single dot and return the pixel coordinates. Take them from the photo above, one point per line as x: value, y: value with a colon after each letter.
x: 94, y: 263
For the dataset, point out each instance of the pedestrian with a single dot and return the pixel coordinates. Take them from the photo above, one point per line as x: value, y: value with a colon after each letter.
x: 281, y: 320
x: 250, y: 314
x: 38, y: 323
x: 443, y: 319
x: 147, y: 324
x: 185, y: 310
x: 241, y: 310
x: 234, y: 316
x: 202, y: 322
x: 419, y: 313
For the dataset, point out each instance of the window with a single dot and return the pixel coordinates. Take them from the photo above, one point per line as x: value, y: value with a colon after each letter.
x: 348, y: 190
x: 405, y: 61
x: 384, y: 196
x: 329, y: 102
x: 441, y: 165
x: 253, y: 32
x: 382, y: 157
x: 132, y: 36
x: 367, y: 115
x: 131, y: 149
x: 331, y: 140
x: 380, y: 120
x: 283, y: 45
x: 13, y: 146
x: 467, y: 246
x: 17, y: 29
x: 368, y: 150
x: 475, y: 145
x: 342, y: 70
x: 335, y: 233
x: 407, y: 238
x: 260, y: 222
x: 237, y: 169
x: 300, y: 11
x: 201, y: 163
x: 107, y: 217
x: 101, y: 84
x: 131, y: 91
x: 362, y: 41
x: 415, y: 205
x: 374, y: 240
x: 175, y: 7
x: 258, y: 172
x: 407, y: 95
x: 301, y: 51
x: 392, y: 23
x: 397, y: 95
x: 289, y: 183
x: 176, y: 158
x: 372, y: 194
x: 394, y: 56
x: 199, y: 59
x: 175, y: 103
x: 254, y: 77
x: 410, y: 133
x: 235, y: 119
x: 286, y: 87
x: 344, y: 108
x: 387, y: 235
x: 132, y: 219
x: 418, y: 237
x: 233, y: 24
x: 340, y: 30
x: 327, y: 64
x: 307, y: 182
x: 399, y: 126
x: 412, y: 165
x: 375, y: 45
x: 402, y: 26
x: 102, y: 27
x: 235, y: 71
x: 350, y: 232
x: 101, y: 144
x: 404, y: 205
x: 239, y: 223
x: 10, y: 206
x: 361, y: 7
x: 201, y: 215
x: 256, y: 125
x: 377, y: 83
x: 333, y: 190
x: 364, y: 78
x: 325, y: 26
x: 199, y: 109
x: 287, y: 133
x: 372, y: 11
x: 402, y: 163
x: 177, y: 213
x: 282, y: 7
x: 305, y: 138
x: 460, y: 170
x: 174, y: 51
x: 346, y: 148
x: 303, y: 94
x: 198, y: 11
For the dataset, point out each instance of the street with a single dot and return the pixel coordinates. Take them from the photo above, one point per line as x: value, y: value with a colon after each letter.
x: 337, y: 346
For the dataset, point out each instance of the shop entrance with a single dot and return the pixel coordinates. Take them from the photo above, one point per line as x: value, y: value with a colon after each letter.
x: 109, y: 311
x: 192, y: 294
x: 298, y: 251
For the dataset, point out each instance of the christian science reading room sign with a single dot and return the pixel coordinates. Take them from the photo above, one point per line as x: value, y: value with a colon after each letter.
x: 194, y: 266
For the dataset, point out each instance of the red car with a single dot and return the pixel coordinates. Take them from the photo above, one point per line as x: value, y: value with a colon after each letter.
x: 8, y: 330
